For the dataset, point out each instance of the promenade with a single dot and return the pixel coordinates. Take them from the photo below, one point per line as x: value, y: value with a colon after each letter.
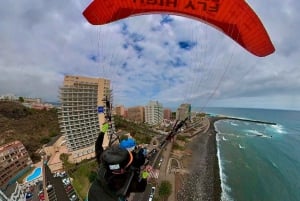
x: 173, y: 167
x: 203, y: 180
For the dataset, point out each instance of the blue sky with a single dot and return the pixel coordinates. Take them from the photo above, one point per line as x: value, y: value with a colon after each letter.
x: 152, y: 57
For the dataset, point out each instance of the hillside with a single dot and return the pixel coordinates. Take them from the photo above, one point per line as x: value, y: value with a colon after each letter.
x: 32, y: 127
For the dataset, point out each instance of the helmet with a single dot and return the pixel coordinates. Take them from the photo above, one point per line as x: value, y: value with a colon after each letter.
x: 116, y: 159
x: 128, y: 144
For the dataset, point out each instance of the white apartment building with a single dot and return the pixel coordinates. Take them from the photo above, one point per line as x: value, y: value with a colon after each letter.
x: 82, y: 113
x: 8, y: 97
x: 183, y: 111
x: 154, y: 113
x: 12, y: 193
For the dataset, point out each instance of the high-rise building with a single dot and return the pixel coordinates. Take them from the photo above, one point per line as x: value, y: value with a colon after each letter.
x: 120, y: 110
x: 136, y: 114
x: 183, y: 111
x: 126, y: 113
x: 82, y: 113
x: 14, y: 161
x: 153, y: 113
x: 167, y: 113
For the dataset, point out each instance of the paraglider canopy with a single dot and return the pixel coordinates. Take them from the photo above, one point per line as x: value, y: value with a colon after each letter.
x: 233, y: 17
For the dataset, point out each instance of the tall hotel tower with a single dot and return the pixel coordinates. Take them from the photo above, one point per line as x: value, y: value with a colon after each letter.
x: 183, y: 111
x: 81, y: 115
x: 153, y: 113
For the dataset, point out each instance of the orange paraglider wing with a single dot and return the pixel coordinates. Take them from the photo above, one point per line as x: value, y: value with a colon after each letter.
x: 233, y: 17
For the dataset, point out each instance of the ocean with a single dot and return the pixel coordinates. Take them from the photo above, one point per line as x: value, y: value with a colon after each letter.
x: 259, y: 162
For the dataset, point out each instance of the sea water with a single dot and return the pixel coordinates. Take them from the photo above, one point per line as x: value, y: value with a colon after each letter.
x: 259, y: 161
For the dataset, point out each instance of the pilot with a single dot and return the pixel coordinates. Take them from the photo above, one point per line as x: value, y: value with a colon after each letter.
x: 118, y: 174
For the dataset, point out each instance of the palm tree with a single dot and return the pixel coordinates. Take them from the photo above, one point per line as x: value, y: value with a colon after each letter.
x: 165, y: 190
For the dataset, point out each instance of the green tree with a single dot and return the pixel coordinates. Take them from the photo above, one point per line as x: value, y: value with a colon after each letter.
x: 182, y: 138
x: 53, y: 133
x: 21, y: 99
x: 64, y: 157
x: 92, y: 176
x: 140, y: 132
x: 165, y: 189
x: 123, y: 137
x: 35, y: 157
x: 45, y: 140
x: 69, y: 167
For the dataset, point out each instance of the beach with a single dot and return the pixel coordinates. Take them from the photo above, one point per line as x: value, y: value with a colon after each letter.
x: 203, y: 181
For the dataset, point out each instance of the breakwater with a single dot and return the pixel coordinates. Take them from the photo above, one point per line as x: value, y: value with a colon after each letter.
x: 217, y: 118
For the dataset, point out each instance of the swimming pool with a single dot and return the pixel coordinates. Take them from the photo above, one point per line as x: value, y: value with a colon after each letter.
x: 35, y: 174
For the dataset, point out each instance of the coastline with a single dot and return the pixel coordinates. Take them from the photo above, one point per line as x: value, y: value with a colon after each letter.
x: 203, y: 181
x: 203, y: 178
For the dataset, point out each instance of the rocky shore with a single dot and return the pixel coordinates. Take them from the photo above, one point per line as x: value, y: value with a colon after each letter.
x: 203, y: 181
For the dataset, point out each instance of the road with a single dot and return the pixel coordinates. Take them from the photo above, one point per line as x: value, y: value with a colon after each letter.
x: 59, y: 191
x: 142, y: 196
x: 164, y: 154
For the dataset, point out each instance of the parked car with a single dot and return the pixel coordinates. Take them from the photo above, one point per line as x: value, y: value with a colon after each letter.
x: 152, y: 192
x: 28, y: 195
x: 68, y: 188
x: 66, y: 181
x: 63, y: 174
x: 152, y: 153
x: 41, y: 196
x: 49, y: 187
x: 73, y: 197
x: 56, y: 174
